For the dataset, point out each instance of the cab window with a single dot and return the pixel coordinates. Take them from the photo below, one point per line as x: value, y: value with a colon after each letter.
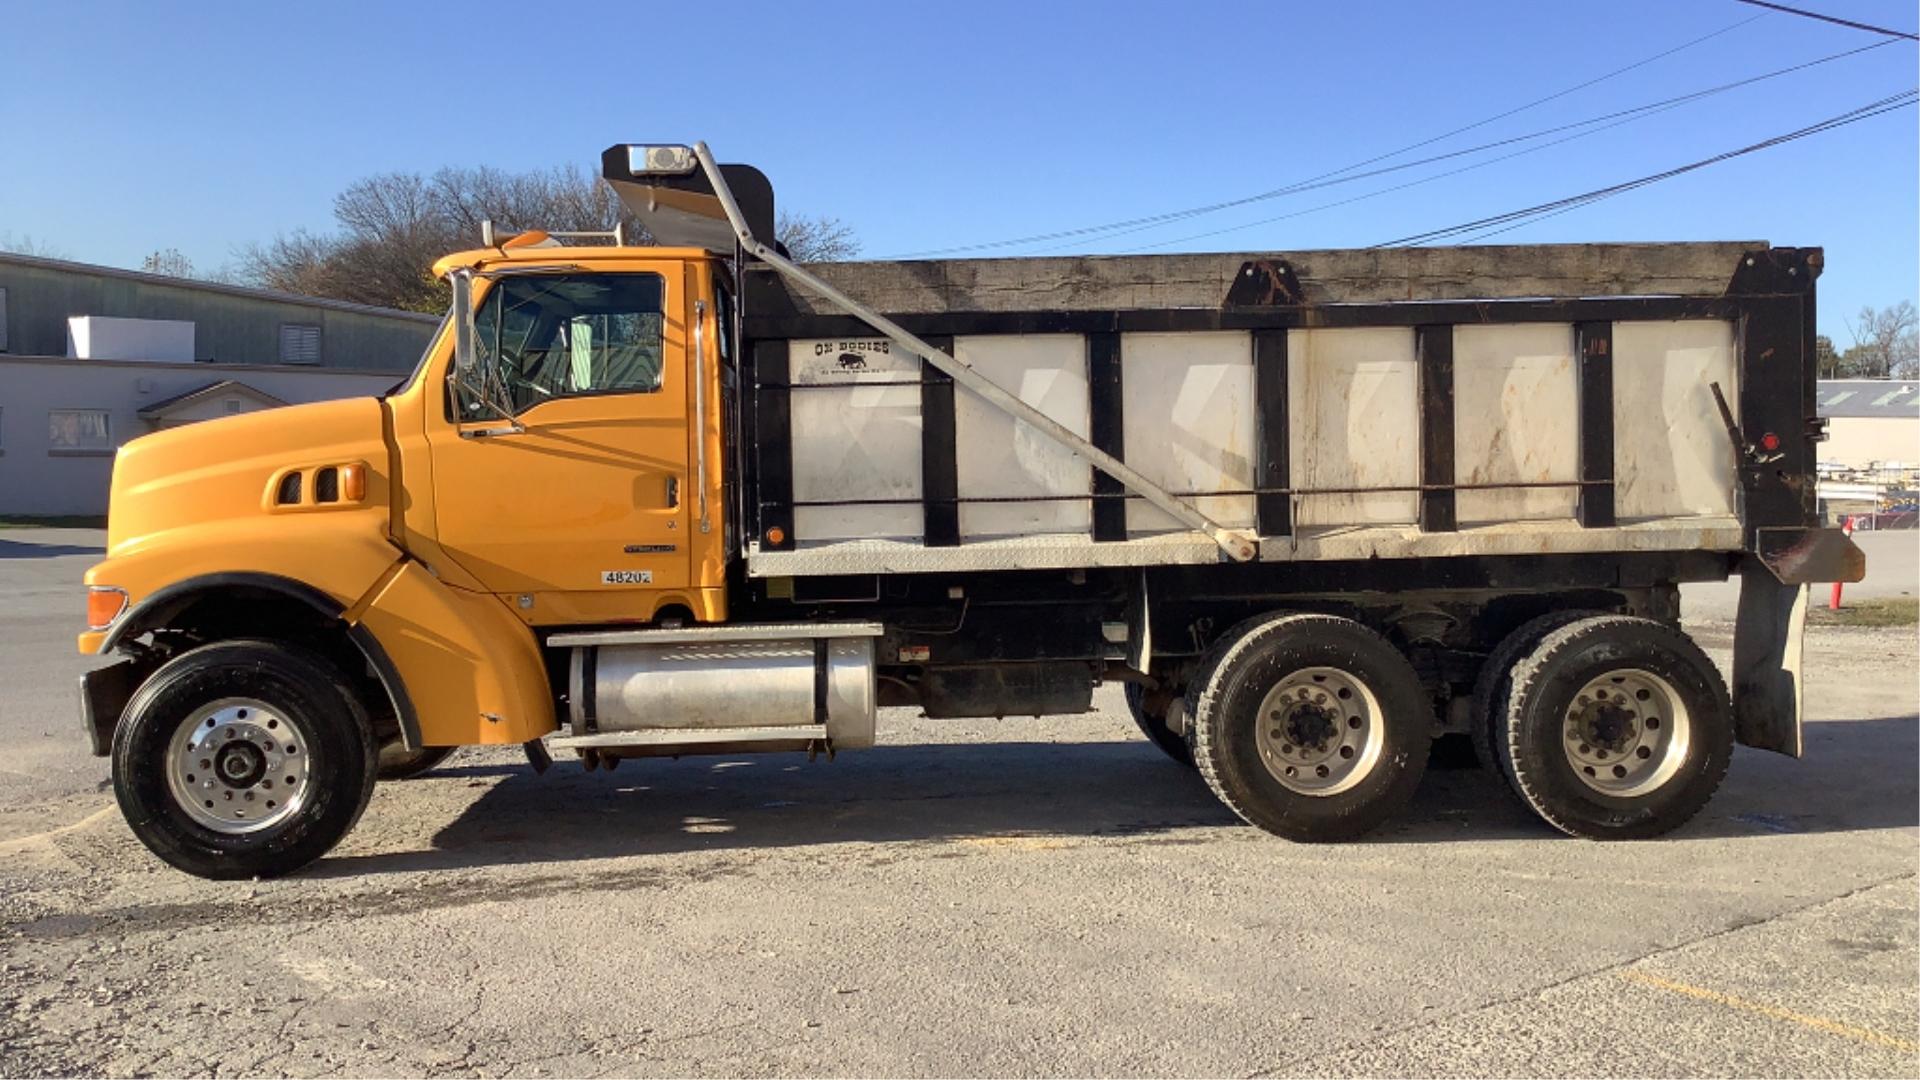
x: 547, y: 336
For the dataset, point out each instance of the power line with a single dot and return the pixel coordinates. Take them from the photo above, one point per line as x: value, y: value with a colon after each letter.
x: 1488, y: 226
x: 1831, y: 19
x: 1623, y: 116
x: 1196, y: 211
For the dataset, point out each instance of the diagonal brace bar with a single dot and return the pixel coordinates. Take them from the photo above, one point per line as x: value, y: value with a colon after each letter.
x: 1238, y: 546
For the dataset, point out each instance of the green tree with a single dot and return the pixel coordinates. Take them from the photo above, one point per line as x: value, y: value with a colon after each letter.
x: 1827, y: 361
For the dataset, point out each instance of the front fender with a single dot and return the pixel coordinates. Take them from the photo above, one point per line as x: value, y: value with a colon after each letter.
x: 473, y: 669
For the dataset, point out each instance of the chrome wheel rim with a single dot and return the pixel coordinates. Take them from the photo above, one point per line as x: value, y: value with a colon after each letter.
x: 238, y: 766
x: 1320, y: 731
x: 1626, y: 733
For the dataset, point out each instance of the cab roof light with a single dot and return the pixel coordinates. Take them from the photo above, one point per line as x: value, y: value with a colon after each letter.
x: 655, y: 159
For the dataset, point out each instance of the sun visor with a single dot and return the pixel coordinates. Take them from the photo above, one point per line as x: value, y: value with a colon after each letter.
x: 671, y: 196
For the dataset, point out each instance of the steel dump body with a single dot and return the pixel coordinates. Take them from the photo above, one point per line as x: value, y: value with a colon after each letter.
x: 1342, y: 406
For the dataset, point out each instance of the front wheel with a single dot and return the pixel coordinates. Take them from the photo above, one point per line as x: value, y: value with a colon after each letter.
x: 1616, y: 727
x: 1311, y: 727
x: 399, y: 763
x: 243, y: 759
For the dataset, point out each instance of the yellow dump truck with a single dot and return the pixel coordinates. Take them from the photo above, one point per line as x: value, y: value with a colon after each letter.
x: 1312, y: 510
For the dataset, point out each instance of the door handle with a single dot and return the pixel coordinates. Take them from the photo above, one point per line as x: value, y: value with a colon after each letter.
x: 673, y: 493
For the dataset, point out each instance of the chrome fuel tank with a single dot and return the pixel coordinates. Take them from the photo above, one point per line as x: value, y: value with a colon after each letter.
x: 724, y: 680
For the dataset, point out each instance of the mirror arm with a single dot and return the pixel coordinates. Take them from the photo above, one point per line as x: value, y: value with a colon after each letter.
x: 488, y: 389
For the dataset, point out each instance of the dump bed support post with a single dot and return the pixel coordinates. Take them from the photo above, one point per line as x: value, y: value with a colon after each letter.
x: 772, y: 445
x: 1235, y: 545
x: 1107, y: 427
x: 1434, y: 347
x: 1273, y: 505
x: 1593, y: 351
x: 939, y: 455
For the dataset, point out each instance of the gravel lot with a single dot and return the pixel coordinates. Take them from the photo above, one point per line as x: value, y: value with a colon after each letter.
x: 1013, y: 897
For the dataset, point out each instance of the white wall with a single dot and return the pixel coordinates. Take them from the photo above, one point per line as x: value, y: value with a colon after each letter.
x: 98, y: 337
x: 34, y: 480
x: 1860, y: 441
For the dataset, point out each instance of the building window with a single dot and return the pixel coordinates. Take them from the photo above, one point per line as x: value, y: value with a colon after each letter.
x: 79, y: 432
x: 3, y: 320
x: 299, y: 343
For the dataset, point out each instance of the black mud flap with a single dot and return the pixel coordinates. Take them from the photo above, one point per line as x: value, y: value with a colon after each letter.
x: 1767, y: 643
x: 103, y: 696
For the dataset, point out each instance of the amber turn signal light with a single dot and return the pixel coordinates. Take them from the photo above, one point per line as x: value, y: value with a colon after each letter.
x: 104, y: 604
x: 353, y: 482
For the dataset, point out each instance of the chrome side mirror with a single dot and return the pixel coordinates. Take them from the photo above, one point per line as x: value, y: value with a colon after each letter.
x: 464, y: 358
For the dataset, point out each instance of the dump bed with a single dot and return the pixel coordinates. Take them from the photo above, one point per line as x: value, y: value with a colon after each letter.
x: 1338, y: 405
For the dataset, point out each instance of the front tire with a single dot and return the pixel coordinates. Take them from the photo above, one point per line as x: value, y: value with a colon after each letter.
x: 1311, y: 727
x: 243, y: 759
x: 1616, y: 727
x: 399, y: 763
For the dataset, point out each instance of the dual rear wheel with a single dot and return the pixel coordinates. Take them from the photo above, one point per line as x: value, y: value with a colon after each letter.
x: 1316, y: 728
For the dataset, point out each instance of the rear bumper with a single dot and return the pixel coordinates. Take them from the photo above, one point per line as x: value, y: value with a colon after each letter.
x: 1801, y: 556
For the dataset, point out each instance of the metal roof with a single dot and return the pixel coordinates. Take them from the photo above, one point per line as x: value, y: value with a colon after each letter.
x: 200, y: 393
x: 1869, y: 397
x: 95, y: 270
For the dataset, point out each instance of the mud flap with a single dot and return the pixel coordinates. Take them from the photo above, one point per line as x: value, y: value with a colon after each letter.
x: 1768, y: 637
x: 104, y: 693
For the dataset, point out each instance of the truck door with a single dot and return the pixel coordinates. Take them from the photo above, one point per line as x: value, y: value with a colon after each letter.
x: 577, y: 506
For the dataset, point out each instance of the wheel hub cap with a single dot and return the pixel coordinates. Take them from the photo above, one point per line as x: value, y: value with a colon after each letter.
x: 1319, y: 731
x: 1626, y: 732
x: 237, y: 766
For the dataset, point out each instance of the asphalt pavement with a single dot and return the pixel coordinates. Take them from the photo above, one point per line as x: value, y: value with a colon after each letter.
x: 1020, y: 897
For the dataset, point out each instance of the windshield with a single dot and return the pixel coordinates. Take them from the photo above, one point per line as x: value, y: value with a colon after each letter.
x: 543, y: 336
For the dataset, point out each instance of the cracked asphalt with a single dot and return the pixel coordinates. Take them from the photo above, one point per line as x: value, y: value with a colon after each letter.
x: 1016, y: 897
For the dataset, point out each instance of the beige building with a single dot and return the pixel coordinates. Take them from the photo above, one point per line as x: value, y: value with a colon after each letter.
x: 1872, y: 424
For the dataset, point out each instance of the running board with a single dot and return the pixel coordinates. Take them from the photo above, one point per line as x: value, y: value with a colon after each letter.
x: 679, y: 635
x: 615, y: 740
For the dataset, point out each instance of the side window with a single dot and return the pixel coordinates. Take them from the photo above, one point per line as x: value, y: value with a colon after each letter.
x: 546, y: 336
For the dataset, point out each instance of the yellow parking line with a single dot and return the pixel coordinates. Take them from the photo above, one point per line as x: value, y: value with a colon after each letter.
x: 1820, y: 1023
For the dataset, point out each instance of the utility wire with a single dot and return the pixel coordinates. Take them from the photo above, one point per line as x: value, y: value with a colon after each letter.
x: 1488, y: 226
x: 1622, y: 116
x: 1176, y: 215
x: 1869, y: 27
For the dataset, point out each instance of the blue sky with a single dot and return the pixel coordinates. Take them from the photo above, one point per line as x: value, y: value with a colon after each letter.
x: 131, y: 128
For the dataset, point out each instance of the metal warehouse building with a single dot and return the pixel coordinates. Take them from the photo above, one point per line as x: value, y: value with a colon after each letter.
x: 93, y: 356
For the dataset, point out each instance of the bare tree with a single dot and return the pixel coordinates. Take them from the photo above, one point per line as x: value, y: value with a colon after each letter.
x: 816, y: 239
x: 25, y: 244
x: 393, y: 226
x: 1886, y: 342
x: 168, y: 261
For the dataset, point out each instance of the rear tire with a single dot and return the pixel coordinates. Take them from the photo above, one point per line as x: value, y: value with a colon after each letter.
x: 1496, y: 678
x: 1616, y: 727
x: 399, y: 763
x: 243, y: 759
x: 1153, y: 724
x: 1311, y: 727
